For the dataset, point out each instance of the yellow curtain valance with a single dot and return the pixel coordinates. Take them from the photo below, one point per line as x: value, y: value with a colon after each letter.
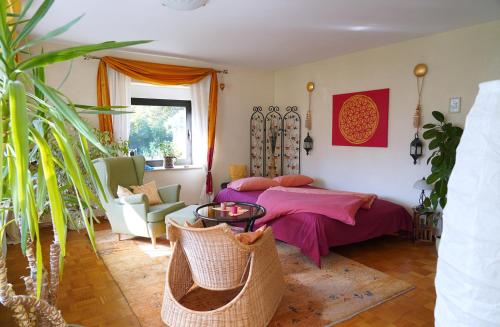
x: 160, y: 74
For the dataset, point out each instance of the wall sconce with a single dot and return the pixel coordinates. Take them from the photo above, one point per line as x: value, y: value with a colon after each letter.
x: 419, y: 71
x: 308, y: 143
x: 222, y: 85
x: 416, y: 149
x: 310, y: 88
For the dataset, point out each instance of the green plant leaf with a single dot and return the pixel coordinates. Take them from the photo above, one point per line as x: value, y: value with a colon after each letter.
x: 438, y: 116
x: 19, y: 136
x: 55, y: 199
x: 427, y: 202
x: 437, y: 160
x: 33, y: 22
x: 87, y: 107
x: 69, y: 113
x: 48, y: 36
x: 434, y: 144
x: 104, y: 112
x: 434, y: 200
x: 427, y: 126
x: 442, y: 201
x: 429, y: 134
x: 3, y: 139
x: 48, y: 58
x: 432, y: 178
x: 443, y: 188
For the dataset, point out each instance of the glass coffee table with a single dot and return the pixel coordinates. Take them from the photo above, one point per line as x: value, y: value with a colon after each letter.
x: 247, y: 213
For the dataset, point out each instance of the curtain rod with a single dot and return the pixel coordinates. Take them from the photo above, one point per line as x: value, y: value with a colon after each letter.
x: 90, y: 57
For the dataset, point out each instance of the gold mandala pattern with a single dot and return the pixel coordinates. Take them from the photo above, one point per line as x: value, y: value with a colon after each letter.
x: 358, y: 119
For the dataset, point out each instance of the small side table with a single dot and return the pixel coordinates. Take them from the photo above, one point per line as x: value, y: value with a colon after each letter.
x: 208, y: 213
x: 423, y: 225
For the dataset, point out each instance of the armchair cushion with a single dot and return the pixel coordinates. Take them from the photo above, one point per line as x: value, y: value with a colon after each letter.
x: 158, y: 212
x: 132, y: 199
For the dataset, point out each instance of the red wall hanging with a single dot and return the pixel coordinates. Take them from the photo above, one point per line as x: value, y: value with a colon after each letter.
x: 361, y: 118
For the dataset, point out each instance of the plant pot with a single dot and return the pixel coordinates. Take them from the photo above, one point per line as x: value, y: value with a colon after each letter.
x: 75, y: 222
x: 168, y: 162
x: 438, y: 240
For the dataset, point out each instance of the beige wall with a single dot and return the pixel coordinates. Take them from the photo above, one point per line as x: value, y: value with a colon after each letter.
x: 458, y: 60
x: 244, y: 88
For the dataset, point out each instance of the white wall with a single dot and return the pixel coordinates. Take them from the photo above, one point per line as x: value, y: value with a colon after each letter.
x: 244, y: 89
x: 458, y: 60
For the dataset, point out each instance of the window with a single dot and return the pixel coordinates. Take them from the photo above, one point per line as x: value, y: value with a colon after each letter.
x: 159, y: 122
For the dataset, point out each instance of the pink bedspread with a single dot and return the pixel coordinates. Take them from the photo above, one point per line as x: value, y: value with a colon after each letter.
x: 314, y: 234
x: 279, y: 202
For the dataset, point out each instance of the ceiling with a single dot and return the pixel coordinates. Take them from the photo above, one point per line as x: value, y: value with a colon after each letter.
x: 268, y: 34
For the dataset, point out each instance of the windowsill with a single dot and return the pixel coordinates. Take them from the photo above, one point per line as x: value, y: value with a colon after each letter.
x: 186, y: 167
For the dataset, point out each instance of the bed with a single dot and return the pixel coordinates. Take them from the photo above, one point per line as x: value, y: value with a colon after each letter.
x: 314, y: 234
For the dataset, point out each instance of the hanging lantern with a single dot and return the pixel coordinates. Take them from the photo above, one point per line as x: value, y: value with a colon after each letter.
x: 415, y: 148
x: 308, y: 144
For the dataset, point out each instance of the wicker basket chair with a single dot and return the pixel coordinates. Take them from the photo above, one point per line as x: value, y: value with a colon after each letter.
x: 213, y: 259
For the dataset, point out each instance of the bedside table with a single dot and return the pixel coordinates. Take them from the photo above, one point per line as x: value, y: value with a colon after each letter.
x: 423, y: 225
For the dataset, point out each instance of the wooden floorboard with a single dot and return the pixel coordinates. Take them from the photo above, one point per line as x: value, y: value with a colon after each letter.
x: 90, y: 297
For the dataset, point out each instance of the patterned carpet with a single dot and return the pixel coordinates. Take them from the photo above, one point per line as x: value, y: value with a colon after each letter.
x: 313, y: 297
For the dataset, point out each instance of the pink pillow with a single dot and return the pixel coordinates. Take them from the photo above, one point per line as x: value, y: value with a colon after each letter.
x: 293, y: 180
x: 252, y: 184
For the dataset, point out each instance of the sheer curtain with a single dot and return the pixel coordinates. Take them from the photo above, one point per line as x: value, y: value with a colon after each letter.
x: 119, y: 95
x: 199, y: 101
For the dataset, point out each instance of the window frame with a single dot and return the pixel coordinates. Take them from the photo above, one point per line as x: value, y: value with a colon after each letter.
x: 171, y: 103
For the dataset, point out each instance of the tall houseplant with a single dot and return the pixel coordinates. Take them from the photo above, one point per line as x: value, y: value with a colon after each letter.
x: 33, y: 112
x: 444, y: 139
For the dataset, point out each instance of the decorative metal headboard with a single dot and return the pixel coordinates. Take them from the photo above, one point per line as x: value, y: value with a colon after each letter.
x: 257, y: 142
x: 275, y: 142
x: 291, y: 141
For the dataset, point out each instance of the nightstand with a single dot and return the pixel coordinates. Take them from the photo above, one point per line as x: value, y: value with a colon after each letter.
x: 423, y: 225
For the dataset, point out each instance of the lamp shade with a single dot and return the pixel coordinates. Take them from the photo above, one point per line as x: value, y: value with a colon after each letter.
x: 422, y: 185
x: 184, y: 4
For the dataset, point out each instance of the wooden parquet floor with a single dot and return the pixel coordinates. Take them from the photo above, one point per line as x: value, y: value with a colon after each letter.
x: 90, y: 297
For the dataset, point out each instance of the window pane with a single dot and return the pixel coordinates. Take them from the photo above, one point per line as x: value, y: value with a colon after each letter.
x: 150, y: 126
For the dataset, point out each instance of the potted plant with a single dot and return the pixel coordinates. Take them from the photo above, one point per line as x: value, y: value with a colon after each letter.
x: 444, y: 138
x: 74, y: 207
x: 32, y: 112
x: 169, y: 153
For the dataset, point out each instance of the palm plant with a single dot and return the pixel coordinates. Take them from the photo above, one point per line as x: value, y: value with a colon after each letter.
x: 32, y: 113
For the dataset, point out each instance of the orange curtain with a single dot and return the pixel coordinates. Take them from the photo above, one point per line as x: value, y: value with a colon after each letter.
x: 14, y: 6
x: 105, y: 121
x: 160, y: 74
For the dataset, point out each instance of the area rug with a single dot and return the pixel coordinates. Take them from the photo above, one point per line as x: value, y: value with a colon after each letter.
x: 341, y: 289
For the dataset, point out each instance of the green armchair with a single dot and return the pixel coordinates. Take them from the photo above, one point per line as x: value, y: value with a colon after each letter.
x: 132, y: 215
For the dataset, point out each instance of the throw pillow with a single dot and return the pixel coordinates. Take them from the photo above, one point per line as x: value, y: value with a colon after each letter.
x: 251, y: 237
x: 293, y: 180
x: 150, y: 190
x: 237, y: 172
x: 123, y: 192
x: 252, y: 184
